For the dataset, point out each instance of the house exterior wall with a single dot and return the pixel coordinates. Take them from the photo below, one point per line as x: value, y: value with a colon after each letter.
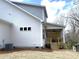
x: 19, y: 19
x: 5, y: 33
x: 36, y: 11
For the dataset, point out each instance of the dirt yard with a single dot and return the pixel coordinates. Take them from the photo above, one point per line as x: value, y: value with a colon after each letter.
x: 32, y: 54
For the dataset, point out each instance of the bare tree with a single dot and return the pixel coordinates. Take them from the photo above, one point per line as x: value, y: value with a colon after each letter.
x: 60, y: 19
x: 76, y: 2
x: 73, y: 20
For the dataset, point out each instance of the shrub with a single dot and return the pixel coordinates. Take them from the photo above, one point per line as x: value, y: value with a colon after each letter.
x: 70, y: 43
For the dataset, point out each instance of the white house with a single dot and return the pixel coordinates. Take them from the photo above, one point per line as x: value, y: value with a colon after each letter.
x: 24, y: 25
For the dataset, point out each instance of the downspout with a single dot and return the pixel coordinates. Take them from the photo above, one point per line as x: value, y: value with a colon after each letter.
x: 44, y: 33
x: 44, y: 26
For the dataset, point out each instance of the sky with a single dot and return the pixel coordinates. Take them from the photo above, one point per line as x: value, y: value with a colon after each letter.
x: 54, y: 8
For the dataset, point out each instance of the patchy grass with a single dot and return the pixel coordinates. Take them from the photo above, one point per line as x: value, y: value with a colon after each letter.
x: 29, y: 54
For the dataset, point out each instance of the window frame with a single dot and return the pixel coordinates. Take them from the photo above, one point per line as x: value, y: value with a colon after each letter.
x: 29, y: 28
x: 25, y: 28
x: 21, y: 28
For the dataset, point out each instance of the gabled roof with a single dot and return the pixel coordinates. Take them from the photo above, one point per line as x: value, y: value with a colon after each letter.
x: 22, y: 9
x: 31, y: 4
x: 28, y: 4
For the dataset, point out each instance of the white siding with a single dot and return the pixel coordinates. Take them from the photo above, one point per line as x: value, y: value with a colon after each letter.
x: 5, y: 33
x: 31, y: 38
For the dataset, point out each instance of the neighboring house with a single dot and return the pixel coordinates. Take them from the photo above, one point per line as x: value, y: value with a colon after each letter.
x: 24, y: 25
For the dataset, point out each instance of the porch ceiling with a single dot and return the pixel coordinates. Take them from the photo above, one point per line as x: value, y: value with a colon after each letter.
x: 53, y: 30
